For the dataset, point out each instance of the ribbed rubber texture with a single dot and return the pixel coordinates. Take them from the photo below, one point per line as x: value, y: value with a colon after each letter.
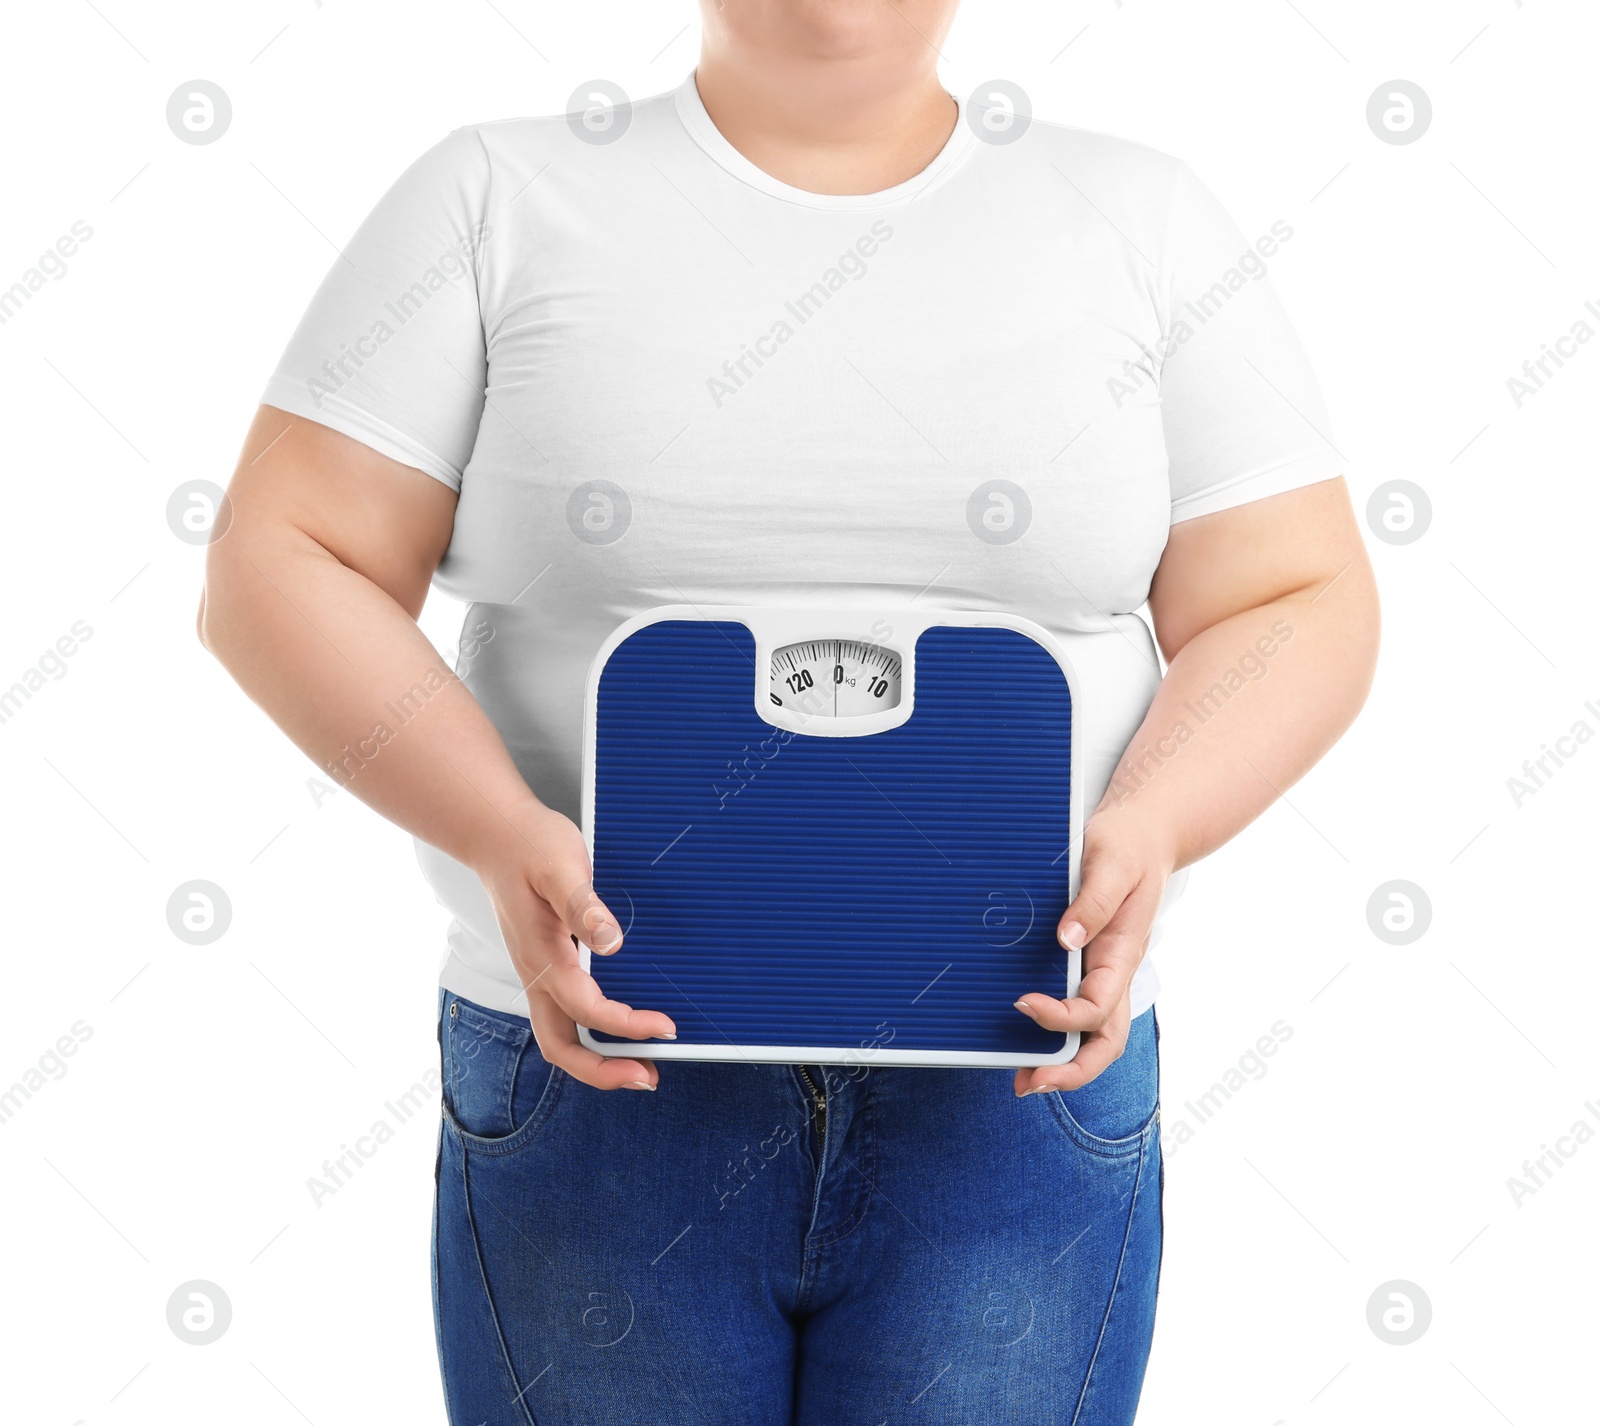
x: 900, y: 888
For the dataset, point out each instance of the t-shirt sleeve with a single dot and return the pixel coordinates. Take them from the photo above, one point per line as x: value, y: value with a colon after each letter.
x: 391, y: 350
x: 1240, y: 407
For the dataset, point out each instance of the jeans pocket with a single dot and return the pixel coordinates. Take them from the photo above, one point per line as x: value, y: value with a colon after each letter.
x: 1112, y: 1114
x: 498, y: 1088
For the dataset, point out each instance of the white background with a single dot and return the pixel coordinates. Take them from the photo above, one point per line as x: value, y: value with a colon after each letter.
x: 217, y: 1079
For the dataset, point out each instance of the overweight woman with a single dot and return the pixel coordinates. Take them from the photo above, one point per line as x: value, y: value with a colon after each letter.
x: 806, y: 329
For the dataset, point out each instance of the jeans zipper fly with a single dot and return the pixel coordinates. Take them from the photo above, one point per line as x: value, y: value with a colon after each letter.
x: 819, y: 1103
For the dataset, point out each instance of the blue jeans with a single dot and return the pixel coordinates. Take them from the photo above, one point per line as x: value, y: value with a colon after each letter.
x: 920, y: 1247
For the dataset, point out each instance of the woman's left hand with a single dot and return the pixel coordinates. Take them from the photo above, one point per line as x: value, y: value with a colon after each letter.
x: 1125, y: 871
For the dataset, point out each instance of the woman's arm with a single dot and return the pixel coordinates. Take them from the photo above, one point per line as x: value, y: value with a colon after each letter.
x: 311, y: 600
x: 1268, y: 617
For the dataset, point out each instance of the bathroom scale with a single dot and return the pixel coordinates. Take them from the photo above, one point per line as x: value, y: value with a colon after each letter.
x: 835, y: 836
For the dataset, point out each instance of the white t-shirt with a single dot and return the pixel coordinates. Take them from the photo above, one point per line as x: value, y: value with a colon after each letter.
x: 657, y: 375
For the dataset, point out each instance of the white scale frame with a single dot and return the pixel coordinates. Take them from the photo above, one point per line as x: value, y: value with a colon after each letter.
x: 895, y: 629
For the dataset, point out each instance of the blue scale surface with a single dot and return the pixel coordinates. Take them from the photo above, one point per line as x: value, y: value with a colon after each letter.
x: 900, y: 888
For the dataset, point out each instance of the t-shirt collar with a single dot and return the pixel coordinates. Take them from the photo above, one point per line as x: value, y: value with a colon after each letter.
x: 705, y: 133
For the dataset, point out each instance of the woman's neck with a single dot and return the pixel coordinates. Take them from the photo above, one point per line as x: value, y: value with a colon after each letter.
x: 828, y: 124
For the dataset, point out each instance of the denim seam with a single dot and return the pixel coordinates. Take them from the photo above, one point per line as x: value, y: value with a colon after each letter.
x: 808, y: 1249
x: 499, y: 1019
x: 475, y: 1144
x: 1116, y: 1282
x: 507, y: 1087
x: 1124, y: 1148
x: 483, y: 1027
x: 494, y: 1312
x: 491, y: 1025
x: 1161, y: 1162
x: 433, y: 1261
x: 530, y: 1046
x: 864, y: 1170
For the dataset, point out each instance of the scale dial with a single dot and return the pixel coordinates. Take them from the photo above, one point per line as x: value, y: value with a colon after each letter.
x: 835, y: 678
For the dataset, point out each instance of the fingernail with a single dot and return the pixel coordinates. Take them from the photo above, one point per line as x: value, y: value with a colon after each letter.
x: 1023, y: 1006
x: 606, y: 938
x: 1043, y: 1089
x: 1074, y: 936
x: 638, y: 1084
x: 666, y: 1037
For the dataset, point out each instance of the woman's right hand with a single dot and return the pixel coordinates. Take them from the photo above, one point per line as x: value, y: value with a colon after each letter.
x: 539, y: 877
